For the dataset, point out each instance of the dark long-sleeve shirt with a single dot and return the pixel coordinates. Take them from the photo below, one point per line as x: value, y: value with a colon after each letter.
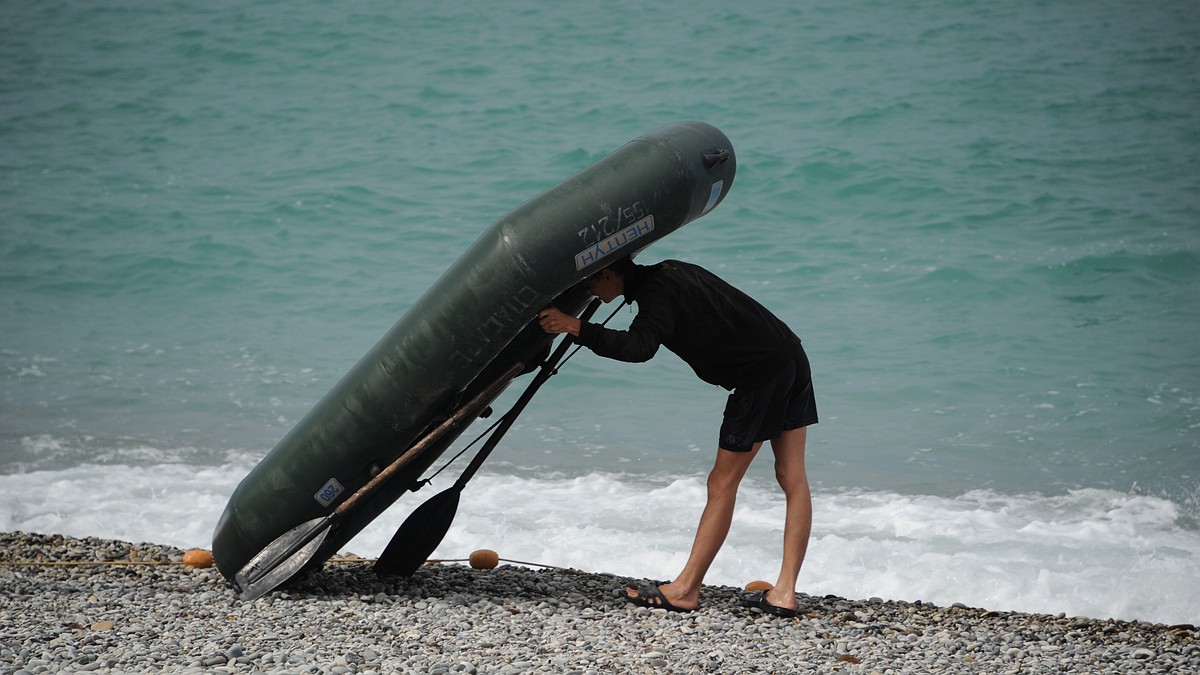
x: 727, y: 337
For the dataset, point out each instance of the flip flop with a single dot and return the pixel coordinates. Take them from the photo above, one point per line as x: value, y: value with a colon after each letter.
x: 758, y: 602
x: 650, y: 596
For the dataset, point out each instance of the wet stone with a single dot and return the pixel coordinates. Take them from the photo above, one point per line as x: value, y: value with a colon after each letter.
x: 454, y: 619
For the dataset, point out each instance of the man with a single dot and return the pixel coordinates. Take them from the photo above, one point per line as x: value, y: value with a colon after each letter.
x: 732, y: 341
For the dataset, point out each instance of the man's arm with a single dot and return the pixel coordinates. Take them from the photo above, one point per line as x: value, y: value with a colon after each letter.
x: 634, y: 345
x: 652, y: 325
x: 554, y: 321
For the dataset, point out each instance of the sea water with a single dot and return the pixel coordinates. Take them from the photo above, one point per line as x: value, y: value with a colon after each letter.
x: 983, y: 220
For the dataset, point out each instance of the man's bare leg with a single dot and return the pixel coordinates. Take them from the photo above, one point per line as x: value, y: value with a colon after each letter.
x: 797, y: 527
x: 723, y: 482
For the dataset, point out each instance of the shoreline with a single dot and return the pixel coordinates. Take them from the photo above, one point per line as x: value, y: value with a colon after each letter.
x: 152, y: 613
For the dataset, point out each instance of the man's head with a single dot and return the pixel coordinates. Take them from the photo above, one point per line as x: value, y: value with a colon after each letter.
x: 609, y: 282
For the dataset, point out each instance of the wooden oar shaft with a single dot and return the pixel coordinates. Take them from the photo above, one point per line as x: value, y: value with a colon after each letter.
x: 430, y: 438
x: 256, y: 570
x: 510, y: 417
x: 423, y: 530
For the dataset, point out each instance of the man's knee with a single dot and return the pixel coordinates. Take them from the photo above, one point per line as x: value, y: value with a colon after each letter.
x: 789, y: 458
x: 791, y: 477
x: 722, y: 483
x: 728, y: 472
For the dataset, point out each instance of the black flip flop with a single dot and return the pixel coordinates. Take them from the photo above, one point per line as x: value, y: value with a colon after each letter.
x: 758, y: 602
x: 652, y: 597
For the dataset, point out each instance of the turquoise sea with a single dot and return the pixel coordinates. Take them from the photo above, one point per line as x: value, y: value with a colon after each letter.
x: 983, y: 219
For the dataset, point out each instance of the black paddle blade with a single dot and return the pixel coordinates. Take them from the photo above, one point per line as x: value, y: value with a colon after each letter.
x: 419, y: 535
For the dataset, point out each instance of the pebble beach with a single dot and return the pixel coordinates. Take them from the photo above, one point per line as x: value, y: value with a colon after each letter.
x: 96, y: 605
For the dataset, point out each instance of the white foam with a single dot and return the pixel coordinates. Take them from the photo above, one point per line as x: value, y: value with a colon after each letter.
x: 1094, y: 553
x: 173, y: 504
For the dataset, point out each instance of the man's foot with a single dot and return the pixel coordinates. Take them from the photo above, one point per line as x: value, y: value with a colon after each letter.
x: 757, y: 602
x: 652, y: 596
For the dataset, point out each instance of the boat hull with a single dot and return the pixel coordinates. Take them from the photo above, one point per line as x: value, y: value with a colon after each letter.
x: 468, y: 330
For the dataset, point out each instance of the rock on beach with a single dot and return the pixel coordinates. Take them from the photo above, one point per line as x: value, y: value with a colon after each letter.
x: 144, y: 611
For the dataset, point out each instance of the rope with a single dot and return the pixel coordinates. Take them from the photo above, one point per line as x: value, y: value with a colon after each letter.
x: 507, y: 560
x: 83, y: 563
x: 343, y: 560
x: 425, y: 481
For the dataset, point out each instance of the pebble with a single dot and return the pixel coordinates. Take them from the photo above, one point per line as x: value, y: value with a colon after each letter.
x: 452, y: 619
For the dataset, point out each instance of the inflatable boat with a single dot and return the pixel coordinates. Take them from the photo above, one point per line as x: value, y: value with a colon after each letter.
x: 370, y: 439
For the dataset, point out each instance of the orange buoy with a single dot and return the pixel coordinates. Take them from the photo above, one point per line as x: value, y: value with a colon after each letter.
x: 198, y: 558
x: 484, y: 559
x: 759, y: 586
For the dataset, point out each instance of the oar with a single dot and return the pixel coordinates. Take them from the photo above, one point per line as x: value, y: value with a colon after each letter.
x: 425, y: 527
x: 292, y: 550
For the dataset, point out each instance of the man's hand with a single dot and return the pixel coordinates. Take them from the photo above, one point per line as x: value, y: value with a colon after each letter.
x: 553, y: 321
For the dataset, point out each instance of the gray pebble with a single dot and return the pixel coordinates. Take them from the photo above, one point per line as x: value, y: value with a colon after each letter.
x: 453, y: 619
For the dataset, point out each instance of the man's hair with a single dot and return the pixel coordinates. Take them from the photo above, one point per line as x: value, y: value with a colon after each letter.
x: 622, y: 266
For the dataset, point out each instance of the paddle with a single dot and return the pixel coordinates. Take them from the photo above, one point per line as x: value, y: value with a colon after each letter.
x: 425, y: 527
x: 292, y: 550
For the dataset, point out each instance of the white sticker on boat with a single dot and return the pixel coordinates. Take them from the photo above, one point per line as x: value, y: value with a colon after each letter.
x: 606, y: 247
x: 329, y: 493
x: 714, y: 196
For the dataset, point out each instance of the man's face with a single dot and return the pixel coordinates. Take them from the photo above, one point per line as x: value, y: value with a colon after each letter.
x: 606, y: 285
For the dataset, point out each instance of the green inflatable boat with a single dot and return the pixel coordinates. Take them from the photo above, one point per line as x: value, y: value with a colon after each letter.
x: 373, y: 436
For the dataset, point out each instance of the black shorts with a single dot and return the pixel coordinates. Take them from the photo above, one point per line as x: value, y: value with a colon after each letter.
x: 765, y: 412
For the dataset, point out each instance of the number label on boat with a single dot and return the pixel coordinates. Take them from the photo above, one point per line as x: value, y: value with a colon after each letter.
x: 606, y: 247
x: 327, y: 494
